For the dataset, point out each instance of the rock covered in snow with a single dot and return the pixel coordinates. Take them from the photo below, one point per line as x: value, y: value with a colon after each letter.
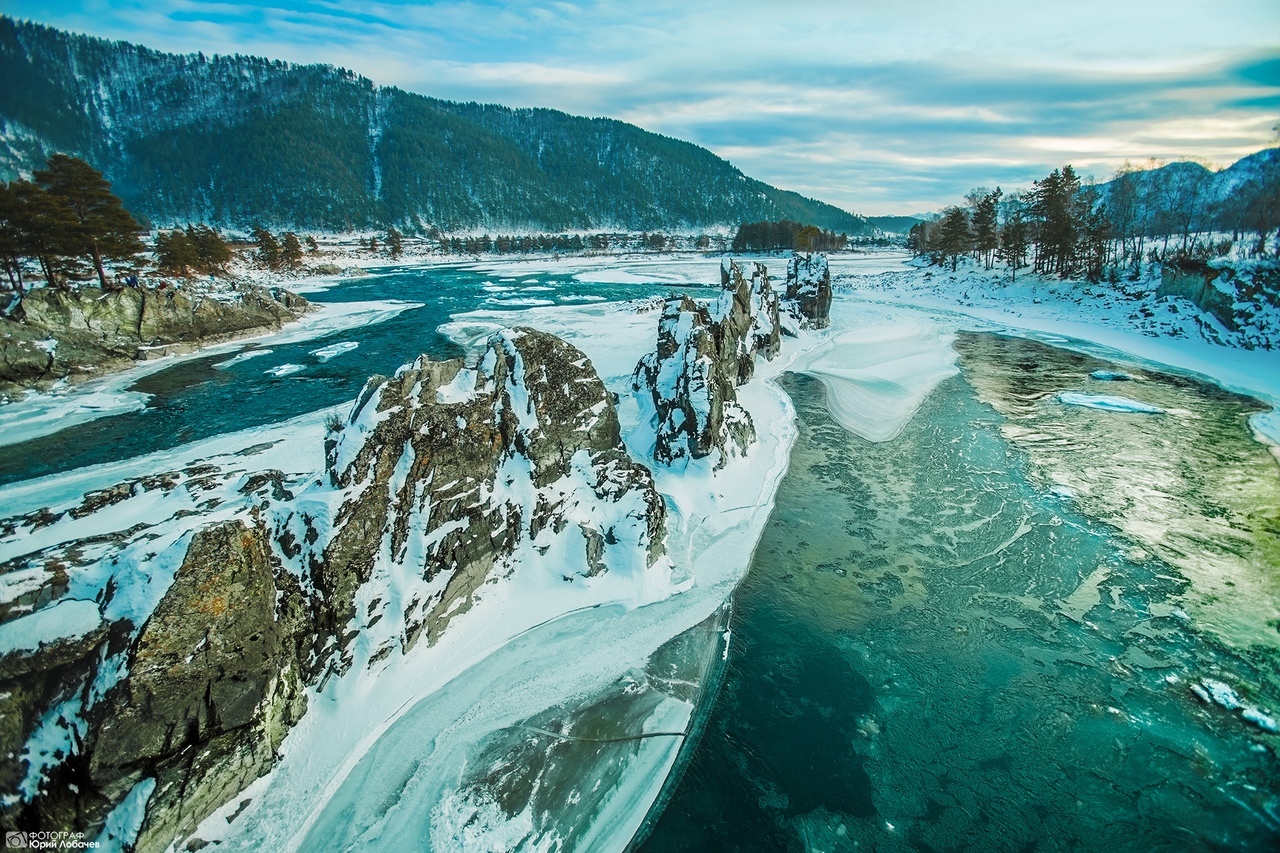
x: 214, y: 683
x: 157, y: 669
x: 446, y: 470
x: 703, y: 354
x: 809, y: 285
x: 189, y: 677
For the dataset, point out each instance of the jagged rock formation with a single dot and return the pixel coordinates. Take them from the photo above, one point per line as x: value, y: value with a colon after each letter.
x: 703, y: 354
x: 53, y: 334
x: 448, y: 470
x: 809, y: 285
x: 165, y: 663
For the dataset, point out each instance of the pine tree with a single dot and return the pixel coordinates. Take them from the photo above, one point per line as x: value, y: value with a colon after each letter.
x: 268, y: 247
x: 176, y: 253
x: 1013, y: 244
x: 395, y: 243
x: 954, y: 238
x: 986, y: 235
x: 291, y: 250
x: 103, y: 228
x: 36, y: 225
x: 212, y: 251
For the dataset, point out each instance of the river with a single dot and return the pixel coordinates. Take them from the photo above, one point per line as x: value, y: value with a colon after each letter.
x: 982, y: 632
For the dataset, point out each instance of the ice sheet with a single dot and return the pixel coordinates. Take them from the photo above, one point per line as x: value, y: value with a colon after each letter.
x: 878, y: 375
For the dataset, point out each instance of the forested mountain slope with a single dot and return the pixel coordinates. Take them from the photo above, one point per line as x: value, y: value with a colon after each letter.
x: 237, y: 140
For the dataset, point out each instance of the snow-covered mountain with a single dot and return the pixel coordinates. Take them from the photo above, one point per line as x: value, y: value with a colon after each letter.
x: 238, y: 140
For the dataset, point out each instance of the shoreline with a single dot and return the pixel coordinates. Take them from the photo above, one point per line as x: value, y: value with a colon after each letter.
x: 67, y: 404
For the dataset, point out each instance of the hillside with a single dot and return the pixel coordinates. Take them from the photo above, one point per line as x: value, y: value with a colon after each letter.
x: 237, y: 140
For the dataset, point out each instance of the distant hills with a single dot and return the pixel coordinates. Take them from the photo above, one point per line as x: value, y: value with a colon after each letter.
x: 241, y: 140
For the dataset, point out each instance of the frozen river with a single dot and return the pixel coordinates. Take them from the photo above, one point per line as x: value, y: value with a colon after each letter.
x: 982, y: 612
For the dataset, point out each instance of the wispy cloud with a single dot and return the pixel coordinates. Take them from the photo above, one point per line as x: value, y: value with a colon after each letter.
x: 857, y: 103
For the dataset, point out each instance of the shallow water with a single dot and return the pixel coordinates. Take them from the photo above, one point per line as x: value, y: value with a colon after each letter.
x: 941, y: 646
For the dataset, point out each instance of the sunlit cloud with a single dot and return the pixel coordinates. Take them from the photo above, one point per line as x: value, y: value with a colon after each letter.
x: 856, y: 103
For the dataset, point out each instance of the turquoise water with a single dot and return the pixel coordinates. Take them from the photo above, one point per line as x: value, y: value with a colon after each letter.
x: 980, y: 635
x: 193, y: 399
x: 938, y: 648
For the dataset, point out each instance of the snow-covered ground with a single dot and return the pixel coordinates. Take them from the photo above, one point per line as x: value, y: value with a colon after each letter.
x: 525, y: 644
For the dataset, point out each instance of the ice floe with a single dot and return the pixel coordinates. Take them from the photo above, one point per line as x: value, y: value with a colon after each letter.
x: 878, y: 375
x: 334, y: 350
x: 1108, y: 403
x: 283, y: 370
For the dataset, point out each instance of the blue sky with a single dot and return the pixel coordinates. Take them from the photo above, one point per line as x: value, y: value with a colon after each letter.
x: 878, y: 107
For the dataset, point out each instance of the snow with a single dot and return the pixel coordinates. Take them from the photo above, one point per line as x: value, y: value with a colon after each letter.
x: 282, y: 370
x: 244, y: 356
x: 121, y: 828
x: 1110, y: 376
x: 1108, y: 403
x: 520, y: 300
x: 334, y: 350
x: 1261, y: 720
x: 65, y: 619
x: 65, y: 406
x: 879, y: 374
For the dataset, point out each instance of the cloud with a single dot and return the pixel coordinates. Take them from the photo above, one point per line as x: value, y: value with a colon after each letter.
x: 853, y: 102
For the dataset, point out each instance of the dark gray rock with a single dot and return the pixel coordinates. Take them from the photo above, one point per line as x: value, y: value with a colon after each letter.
x: 809, y: 286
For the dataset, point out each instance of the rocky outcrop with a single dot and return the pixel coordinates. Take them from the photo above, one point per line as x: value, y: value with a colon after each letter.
x: 449, y: 470
x: 1211, y: 291
x: 53, y: 334
x: 704, y: 353
x: 178, y: 655
x: 809, y: 286
x: 214, y: 683
x: 197, y: 698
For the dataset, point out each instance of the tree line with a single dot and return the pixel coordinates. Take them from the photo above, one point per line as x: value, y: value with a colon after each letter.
x: 1070, y: 227
x: 786, y: 234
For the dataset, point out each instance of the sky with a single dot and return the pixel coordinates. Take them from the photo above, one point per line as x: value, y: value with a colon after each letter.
x: 878, y: 107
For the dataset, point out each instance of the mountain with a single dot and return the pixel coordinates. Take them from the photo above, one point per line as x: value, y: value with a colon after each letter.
x: 1246, y: 175
x: 894, y: 224
x: 235, y: 140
